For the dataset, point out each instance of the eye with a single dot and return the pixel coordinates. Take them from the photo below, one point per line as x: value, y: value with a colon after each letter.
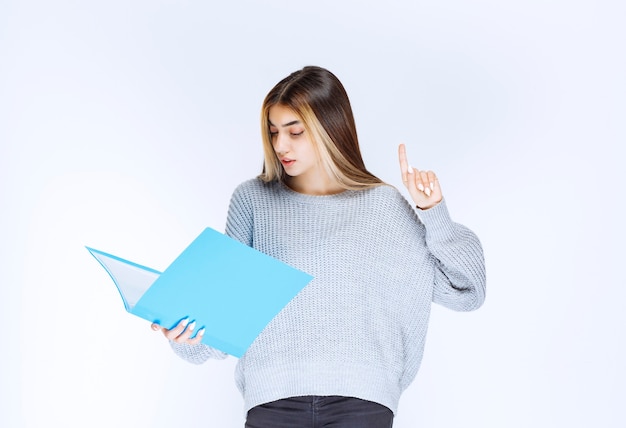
x: 297, y: 134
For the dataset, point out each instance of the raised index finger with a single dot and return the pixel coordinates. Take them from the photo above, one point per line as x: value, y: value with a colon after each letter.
x: 404, y: 165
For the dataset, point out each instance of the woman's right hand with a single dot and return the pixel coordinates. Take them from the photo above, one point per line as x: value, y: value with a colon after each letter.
x: 182, y: 333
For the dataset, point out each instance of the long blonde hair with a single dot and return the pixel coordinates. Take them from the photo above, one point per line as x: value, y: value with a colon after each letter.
x: 319, y: 99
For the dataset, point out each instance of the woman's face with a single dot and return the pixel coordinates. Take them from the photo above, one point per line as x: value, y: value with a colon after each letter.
x: 293, y: 145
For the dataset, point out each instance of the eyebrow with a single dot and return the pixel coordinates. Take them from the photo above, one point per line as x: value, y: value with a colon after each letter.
x: 293, y: 122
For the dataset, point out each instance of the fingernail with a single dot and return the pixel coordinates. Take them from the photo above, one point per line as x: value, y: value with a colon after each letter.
x: 201, y: 331
x: 427, y: 191
x: 432, y: 186
x: 184, y: 322
x: 410, y: 170
x: 420, y: 187
x: 191, y: 326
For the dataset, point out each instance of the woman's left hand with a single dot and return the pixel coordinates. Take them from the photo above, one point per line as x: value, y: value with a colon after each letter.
x: 423, y: 186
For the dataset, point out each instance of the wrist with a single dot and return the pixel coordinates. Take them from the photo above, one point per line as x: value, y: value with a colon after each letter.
x: 427, y: 207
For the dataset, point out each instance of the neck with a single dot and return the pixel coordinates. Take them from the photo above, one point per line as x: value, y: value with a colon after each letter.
x: 318, y: 186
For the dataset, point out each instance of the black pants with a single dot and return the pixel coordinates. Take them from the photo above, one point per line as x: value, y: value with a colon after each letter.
x: 318, y: 412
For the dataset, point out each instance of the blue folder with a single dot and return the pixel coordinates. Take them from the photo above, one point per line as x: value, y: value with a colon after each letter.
x: 231, y: 290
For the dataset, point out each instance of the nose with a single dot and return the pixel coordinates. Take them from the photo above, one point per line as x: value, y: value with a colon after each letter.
x: 280, y: 143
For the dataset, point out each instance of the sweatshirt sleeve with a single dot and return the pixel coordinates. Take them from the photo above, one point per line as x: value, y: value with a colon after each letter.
x: 239, y: 221
x: 196, y: 354
x: 460, y: 278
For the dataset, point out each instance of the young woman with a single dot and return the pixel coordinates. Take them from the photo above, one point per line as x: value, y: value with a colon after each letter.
x: 344, y: 349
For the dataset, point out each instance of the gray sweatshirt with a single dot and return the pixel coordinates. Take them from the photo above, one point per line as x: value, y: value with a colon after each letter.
x: 359, y: 328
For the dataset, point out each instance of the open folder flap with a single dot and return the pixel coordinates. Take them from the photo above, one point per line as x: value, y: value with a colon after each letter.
x: 132, y: 280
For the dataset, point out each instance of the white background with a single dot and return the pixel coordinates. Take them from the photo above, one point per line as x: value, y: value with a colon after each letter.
x: 125, y: 125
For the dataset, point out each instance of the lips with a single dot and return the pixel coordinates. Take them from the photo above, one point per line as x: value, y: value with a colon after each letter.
x: 287, y: 161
